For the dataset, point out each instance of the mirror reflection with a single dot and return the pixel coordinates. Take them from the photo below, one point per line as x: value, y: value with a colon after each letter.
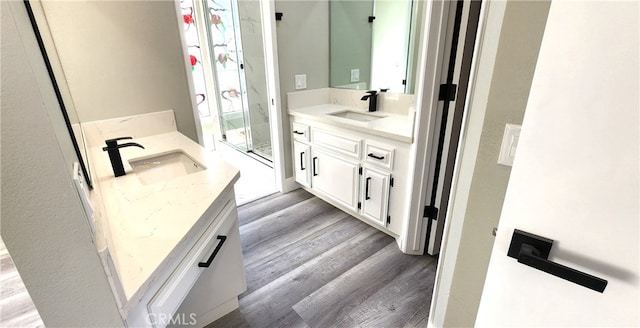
x: 372, y: 44
x: 61, y: 89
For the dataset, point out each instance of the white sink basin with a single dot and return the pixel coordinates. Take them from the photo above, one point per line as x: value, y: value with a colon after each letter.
x: 165, y: 166
x: 356, y: 116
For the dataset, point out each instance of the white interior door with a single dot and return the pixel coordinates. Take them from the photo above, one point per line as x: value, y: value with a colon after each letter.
x: 575, y: 177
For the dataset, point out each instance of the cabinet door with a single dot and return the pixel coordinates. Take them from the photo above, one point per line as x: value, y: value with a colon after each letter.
x: 181, y: 281
x: 335, y: 177
x: 301, y: 159
x: 220, y: 283
x: 375, y: 195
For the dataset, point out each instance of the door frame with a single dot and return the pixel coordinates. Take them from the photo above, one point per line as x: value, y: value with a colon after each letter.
x: 436, y: 45
x: 268, y: 9
x: 484, y: 58
x: 430, y: 71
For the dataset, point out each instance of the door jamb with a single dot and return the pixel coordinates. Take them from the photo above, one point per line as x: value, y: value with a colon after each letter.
x: 273, y: 88
x: 484, y: 58
x: 432, y: 52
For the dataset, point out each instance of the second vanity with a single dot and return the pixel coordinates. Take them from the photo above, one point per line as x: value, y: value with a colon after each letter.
x: 354, y: 159
x: 172, y: 245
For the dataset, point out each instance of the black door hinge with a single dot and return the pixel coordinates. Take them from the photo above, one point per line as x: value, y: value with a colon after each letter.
x: 359, y: 205
x: 447, y: 92
x: 360, y: 171
x: 371, y: 18
x: 279, y: 16
x: 391, y: 182
x: 430, y: 212
x: 388, y: 219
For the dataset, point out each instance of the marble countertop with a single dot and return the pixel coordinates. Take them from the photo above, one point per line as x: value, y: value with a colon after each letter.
x: 393, y: 126
x: 147, y: 223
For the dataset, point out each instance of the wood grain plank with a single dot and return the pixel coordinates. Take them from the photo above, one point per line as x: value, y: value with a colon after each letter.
x: 265, y: 305
x: 302, y: 255
x: 262, y: 207
x: 399, y: 300
x: 281, y: 222
x: 267, y: 269
x: 288, y: 237
x: 329, y: 304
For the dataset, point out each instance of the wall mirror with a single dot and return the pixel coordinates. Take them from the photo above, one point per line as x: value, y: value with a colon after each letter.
x: 373, y: 44
x: 54, y: 68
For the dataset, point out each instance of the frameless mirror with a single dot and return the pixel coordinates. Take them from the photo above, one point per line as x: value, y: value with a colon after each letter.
x: 54, y: 68
x: 372, y: 44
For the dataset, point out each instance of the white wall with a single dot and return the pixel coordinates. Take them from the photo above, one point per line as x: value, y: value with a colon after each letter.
x: 122, y: 58
x: 43, y: 223
x: 506, y: 63
x: 303, y: 48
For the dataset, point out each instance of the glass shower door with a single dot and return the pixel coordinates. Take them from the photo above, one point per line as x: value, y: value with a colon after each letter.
x: 224, y: 38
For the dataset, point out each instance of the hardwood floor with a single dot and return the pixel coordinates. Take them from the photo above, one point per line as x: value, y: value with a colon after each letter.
x: 309, y: 264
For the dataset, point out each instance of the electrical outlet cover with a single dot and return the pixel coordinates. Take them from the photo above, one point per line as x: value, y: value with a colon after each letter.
x: 355, y: 75
x: 509, y: 144
x: 301, y: 81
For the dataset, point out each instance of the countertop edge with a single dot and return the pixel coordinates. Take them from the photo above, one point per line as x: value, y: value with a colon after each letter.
x: 376, y: 132
x: 161, y: 271
x: 189, y: 236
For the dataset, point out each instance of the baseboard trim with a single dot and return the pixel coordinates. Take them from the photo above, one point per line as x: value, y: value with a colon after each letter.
x: 290, y: 185
x: 217, y: 313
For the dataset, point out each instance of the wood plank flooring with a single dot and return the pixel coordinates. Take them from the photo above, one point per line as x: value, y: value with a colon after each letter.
x: 308, y: 264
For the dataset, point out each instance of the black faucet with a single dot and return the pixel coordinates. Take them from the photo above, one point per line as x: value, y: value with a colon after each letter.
x: 373, y: 100
x: 114, y: 153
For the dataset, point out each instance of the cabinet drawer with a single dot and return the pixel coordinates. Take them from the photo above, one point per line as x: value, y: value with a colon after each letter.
x: 300, y: 131
x: 167, y: 300
x: 379, y: 155
x: 339, y: 143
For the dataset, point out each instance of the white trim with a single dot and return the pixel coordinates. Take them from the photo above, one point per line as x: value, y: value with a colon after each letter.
x: 267, y: 8
x: 189, y: 75
x: 290, y: 184
x: 432, y: 50
x: 490, y: 26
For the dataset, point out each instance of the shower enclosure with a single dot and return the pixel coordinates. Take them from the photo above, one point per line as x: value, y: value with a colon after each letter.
x: 234, y: 35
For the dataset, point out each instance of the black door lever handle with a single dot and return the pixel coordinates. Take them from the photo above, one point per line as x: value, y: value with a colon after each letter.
x: 533, y: 251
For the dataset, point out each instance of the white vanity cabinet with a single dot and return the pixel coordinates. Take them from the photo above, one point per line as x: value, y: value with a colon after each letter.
x: 335, y: 177
x: 375, y: 195
x: 354, y: 171
x: 203, y: 285
x: 302, y: 163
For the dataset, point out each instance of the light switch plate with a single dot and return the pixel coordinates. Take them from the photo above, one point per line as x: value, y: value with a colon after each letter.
x: 301, y: 81
x: 355, y: 75
x: 509, y: 144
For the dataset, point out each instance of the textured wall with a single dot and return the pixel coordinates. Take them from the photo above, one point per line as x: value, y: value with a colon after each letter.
x: 303, y: 48
x: 43, y: 224
x: 122, y: 58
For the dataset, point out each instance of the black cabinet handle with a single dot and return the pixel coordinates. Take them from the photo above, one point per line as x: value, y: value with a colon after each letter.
x: 301, y: 161
x: 314, y: 166
x: 372, y: 155
x: 366, y: 189
x: 215, y: 252
x: 533, y: 250
x: 297, y: 132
